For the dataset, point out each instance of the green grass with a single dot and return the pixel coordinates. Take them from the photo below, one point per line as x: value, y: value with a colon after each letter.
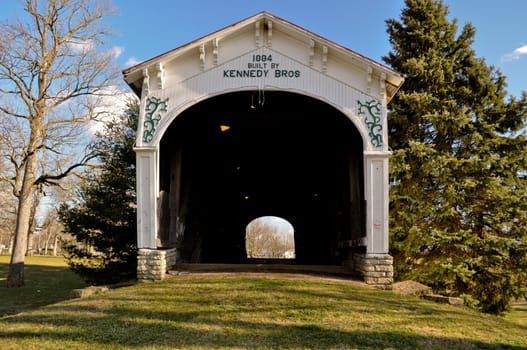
x: 48, y: 280
x: 519, y: 313
x: 253, y: 312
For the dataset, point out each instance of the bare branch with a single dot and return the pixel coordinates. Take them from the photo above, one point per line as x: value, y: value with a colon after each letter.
x: 52, y: 180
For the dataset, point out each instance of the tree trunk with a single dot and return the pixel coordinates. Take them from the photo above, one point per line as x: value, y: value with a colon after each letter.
x: 30, y: 238
x: 15, y: 276
x: 39, y: 238
x: 55, y: 245
x: 11, y: 243
x: 46, y: 241
x: 32, y: 225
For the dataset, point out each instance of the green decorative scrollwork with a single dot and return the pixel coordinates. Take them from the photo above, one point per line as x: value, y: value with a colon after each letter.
x: 372, y: 120
x: 153, y: 108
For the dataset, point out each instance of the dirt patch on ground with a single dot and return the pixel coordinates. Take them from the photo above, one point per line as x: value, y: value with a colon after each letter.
x: 411, y: 288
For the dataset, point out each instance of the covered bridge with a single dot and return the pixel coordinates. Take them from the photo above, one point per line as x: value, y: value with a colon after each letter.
x: 263, y: 118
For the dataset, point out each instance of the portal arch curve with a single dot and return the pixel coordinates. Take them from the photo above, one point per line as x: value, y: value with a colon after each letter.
x: 182, y: 104
x: 229, y: 158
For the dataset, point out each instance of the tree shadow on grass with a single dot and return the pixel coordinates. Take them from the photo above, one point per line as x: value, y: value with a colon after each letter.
x: 127, y: 328
x: 44, y: 285
x: 150, y: 316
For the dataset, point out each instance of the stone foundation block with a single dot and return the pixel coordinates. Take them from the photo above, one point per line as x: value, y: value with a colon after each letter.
x: 153, y: 264
x: 375, y: 269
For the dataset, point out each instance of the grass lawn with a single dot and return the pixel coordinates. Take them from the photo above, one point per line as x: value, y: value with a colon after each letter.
x: 48, y: 280
x: 256, y: 312
x: 519, y: 313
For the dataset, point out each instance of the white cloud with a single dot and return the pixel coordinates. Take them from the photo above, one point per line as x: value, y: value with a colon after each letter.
x: 85, y: 46
x: 132, y: 61
x: 108, y: 107
x: 516, y: 54
x: 116, y: 51
x: 81, y: 46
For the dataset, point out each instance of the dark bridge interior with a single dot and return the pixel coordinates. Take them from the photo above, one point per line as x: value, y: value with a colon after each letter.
x: 238, y: 156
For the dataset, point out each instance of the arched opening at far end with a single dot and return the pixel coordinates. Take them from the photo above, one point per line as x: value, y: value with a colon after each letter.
x: 270, y: 237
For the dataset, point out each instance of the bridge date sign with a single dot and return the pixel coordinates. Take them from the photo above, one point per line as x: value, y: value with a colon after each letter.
x: 261, y: 66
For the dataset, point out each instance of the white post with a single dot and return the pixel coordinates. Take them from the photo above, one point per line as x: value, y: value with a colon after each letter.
x: 377, y: 201
x: 146, y: 162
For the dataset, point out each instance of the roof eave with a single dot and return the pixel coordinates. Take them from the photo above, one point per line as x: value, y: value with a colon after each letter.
x: 133, y: 75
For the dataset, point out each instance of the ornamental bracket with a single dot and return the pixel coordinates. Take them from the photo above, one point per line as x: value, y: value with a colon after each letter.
x: 311, y: 52
x: 372, y: 112
x: 215, y: 48
x: 324, y: 59
x: 269, y: 33
x: 202, y: 56
x: 146, y: 82
x: 257, y: 33
x: 160, y: 76
x: 154, y: 108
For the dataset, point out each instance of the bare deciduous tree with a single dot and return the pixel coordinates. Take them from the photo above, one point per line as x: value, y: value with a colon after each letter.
x: 51, y: 233
x: 52, y: 77
x: 264, y: 239
x: 7, y: 216
x: 8, y: 204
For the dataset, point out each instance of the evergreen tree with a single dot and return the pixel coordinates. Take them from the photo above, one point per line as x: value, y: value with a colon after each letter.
x: 458, y: 210
x: 103, y: 219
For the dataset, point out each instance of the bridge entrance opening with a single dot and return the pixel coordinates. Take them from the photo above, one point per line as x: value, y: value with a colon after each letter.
x: 241, y: 155
x: 270, y: 239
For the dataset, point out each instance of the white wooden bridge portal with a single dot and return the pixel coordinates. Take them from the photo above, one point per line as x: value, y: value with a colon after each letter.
x: 263, y: 118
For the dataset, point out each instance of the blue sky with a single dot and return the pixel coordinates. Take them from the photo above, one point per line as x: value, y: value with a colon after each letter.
x: 147, y: 28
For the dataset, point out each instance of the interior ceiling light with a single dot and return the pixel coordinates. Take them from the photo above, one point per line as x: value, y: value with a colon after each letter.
x: 224, y: 128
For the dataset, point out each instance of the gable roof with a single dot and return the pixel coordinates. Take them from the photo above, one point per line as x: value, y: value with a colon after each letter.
x: 134, y: 75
